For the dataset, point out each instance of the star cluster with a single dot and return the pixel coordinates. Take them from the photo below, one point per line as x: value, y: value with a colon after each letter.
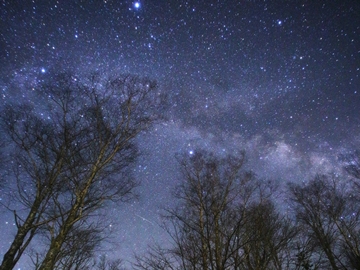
x: 279, y: 79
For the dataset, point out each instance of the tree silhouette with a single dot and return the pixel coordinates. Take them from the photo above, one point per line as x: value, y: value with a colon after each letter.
x: 268, y: 237
x: 351, y: 222
x: 73, y: 153
x: 330, y: 220
x: 224, y: 219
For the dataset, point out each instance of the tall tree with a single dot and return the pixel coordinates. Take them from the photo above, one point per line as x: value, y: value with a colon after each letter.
x: 269, y: 237
x: 73, y: 153
x: 79, y: 249
x: 351, y: 220
x: 215, y: 224
x: 326, y: 214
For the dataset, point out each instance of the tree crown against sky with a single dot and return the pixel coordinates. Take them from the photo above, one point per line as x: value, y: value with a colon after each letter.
x: 73, y: 153
x: 225, y: 218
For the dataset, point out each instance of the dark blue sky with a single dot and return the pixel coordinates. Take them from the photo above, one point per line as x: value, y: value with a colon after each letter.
x: 279, y: 79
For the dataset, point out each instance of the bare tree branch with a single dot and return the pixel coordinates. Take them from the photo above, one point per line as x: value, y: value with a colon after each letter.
x: 74, y: 153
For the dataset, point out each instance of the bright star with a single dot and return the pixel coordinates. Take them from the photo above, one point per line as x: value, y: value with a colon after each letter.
x: 137, y: 5
x: 43, y: 70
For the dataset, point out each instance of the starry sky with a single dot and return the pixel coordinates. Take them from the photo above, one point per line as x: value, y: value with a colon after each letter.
x: 279, y: 79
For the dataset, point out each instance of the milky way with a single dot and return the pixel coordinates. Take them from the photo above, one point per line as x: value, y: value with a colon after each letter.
x: 279, y: 79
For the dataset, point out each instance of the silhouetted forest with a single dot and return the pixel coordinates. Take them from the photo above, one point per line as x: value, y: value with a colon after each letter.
x: 77, y: 155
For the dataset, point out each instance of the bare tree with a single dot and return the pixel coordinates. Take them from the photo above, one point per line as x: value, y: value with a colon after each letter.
x: 305, y: 254
x: 158, y: 257
x: 38, y: 161
x: 328, y: 217
x: 79, y: 249
x: 269, y: 237
x: 215, y: 225
x: 75, y: 154
x: 350, y: 222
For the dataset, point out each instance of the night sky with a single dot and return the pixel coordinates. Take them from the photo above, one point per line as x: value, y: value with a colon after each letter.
x: 279, y: 79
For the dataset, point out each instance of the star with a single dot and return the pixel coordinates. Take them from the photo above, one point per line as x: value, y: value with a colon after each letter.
x: 137, y: 5
x: 233, y: 84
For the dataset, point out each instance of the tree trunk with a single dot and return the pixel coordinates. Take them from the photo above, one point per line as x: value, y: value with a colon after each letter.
x: 17, y: 247
x: 55, y: 247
